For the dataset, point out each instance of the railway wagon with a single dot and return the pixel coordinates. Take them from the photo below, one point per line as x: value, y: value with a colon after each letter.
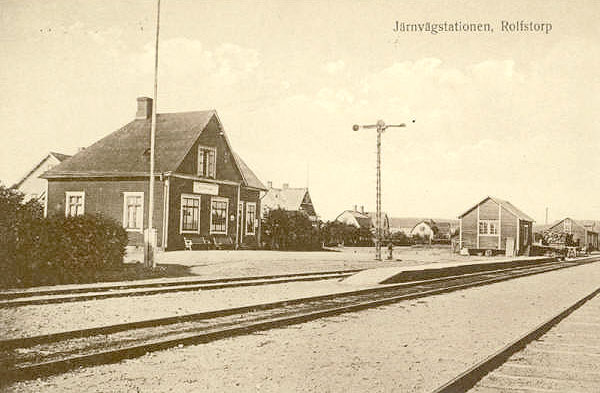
x: 495, y: 226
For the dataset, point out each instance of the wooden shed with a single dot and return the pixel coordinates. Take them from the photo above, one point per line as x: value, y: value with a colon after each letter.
x: 497, y: 225
x: 583, y: 233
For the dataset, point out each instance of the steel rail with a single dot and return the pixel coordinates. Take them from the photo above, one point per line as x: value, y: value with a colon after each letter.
x: 107, y: 286
x: 26, y: 342
x: 180, y: 287
x: 110, y: 356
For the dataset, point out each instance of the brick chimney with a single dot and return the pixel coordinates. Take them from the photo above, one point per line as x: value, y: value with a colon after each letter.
x: 362, y: 209
x: 144, y: 108
x: 286, y: 186
x: 355, y: 208
x: 269, y: 184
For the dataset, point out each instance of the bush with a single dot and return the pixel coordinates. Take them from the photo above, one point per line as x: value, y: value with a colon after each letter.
x: 336, y: 232
x: 62, y: 250
x: 401, y: 239
x: 290, y: 230
x: 58, y: 250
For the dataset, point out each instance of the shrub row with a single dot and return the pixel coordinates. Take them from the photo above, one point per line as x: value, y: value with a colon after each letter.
x: 57, y: 250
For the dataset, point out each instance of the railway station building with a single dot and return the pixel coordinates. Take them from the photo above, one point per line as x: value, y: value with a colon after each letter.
x: 496, y: 225
x: 203, y: 190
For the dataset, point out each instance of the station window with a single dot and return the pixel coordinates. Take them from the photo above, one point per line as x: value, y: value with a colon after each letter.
x: 207, y: 161
x: 250, y: 218
x: 133, y: 211
x: 75, y: 203
x: 218, y: 215
x: 190, y: 214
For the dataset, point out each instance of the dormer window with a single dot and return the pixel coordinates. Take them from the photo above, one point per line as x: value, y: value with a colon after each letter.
x: 207, y: 161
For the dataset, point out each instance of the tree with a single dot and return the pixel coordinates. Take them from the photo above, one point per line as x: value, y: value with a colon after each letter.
x: 401, y: 239
x: 290, y: 230
x: 16, y: 218
x: 336, y: 232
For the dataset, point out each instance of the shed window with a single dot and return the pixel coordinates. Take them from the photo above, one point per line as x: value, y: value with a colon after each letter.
x: 190, y: 214
x: 75, y: 203
x: 207, y: 161
x: 488, y: 227
x: 218, y: 215
x: 133, y: 211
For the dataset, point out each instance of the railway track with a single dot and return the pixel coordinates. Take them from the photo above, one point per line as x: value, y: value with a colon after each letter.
x: 37, y: 356
x: 560, y: 355
x: 48, y: 296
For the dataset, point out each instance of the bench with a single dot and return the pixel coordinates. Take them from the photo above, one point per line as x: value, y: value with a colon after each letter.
x: 223, y: 242
x: 196, y: 241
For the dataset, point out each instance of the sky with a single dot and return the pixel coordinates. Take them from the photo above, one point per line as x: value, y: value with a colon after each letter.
x: 507, y: 114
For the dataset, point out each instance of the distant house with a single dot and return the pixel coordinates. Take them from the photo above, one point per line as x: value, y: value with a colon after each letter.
x: 583, y: 231
x: 492, y: 223
x: 288, y: 198
x: 425, y: 228
x: 367, y: 220
x: 443, y: 228
x: 435, y: 230
x: 404, y: 224
x: 31, y: 184
x: 202, y: 188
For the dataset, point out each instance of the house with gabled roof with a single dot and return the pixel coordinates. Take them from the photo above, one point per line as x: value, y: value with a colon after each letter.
x: 31, y: 184
x: 496, y: 225
x: 432, y: 229
x: 582, y: 231
x: 288, y: 198
x: 365, y: 220
x: 203, y: 189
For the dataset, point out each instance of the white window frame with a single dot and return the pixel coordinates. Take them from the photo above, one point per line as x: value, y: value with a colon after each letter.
x: 127, y: 194
x: 212, y: 175
x: 219, y: 199
x: 488, y: 231
x: 68, y: 195
x: 241, y: 218
x: 253, y: 220
x: 189, y: 196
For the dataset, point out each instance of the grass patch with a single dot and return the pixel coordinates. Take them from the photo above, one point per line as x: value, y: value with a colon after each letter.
x: 124, y: 272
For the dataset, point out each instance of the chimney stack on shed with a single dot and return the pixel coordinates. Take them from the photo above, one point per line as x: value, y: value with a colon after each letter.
x: 144, y: 108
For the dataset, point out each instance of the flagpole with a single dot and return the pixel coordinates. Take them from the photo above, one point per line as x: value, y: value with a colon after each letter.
x: 151, y: 234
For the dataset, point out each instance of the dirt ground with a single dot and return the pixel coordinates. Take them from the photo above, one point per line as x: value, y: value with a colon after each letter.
x: 238, y: 263
x: 51, y: 318
x: 411, y: 346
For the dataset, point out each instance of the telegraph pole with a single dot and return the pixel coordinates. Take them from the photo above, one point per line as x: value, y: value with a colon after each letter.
x: 150, y: 238
x: 380, y: 126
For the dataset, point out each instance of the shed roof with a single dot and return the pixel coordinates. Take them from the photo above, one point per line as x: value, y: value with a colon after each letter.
x: 583, y: 224
x: 505, y: 204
